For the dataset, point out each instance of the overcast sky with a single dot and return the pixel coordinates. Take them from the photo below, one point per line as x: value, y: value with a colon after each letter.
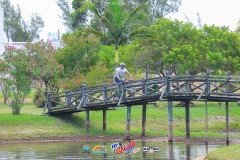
x: 218, y: 12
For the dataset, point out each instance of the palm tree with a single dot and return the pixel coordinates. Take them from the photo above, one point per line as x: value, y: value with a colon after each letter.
x: 115, y: 23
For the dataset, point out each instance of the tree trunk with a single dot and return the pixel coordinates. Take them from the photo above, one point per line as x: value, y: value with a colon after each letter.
x: 5, y: 95
x: 116, y: 55
x: 116, y: 61
x: 16, y: 107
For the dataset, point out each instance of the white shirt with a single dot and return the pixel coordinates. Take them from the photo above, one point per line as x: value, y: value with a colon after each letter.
x: 121, y: 72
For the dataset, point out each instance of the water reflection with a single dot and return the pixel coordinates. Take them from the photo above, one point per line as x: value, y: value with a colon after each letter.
x: 74, y: 150
x: 170, y: 149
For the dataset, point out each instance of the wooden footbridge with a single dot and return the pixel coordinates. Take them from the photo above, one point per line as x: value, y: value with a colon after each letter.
x: 170, y: 88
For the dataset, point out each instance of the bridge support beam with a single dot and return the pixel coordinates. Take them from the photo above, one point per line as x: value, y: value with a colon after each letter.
x: 206, y: 127
x: 227, y: 125
x: 104, y: 120
x: 187, y: 119
x: 128, y: 122
x: 87, y: 120
x: 144, y: 110
x: 170, y: 126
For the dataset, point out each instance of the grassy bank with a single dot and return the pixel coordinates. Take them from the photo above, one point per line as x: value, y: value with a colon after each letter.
x: 30, y: 124
x: 225, y: 153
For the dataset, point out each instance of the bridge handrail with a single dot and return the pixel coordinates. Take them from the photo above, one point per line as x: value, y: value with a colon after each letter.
x: 187, y: 86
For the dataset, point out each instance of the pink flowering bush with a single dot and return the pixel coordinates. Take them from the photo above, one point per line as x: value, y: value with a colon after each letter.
x: 49, y: 70
x: 17, y: 73
x: 19, y: 67
x: 43, y: 58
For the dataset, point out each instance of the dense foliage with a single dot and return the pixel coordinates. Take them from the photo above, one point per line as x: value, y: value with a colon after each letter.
x: 17, y: 74
x: 20, y: 67
x: 177, y: 46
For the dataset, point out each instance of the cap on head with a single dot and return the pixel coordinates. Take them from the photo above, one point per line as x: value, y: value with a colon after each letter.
x: 122, y: 64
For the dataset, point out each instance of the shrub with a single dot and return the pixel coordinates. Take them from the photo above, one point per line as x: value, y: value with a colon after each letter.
x: 39, y: 98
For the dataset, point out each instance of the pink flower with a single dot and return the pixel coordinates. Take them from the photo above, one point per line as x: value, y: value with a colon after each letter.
x: 29, y: 69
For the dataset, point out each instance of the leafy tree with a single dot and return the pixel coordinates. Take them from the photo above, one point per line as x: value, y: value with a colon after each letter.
x: 17, y: 74
x: 20, y: 66
x: 79, y: 17
x: 44, y: 61
x: 177, y: 47
x: 48, y: 69
x: 115, y: 24
x: 217, y: 49
x: 16, y: 29
x: 34, y: 27
x: 106, y: 57
x: 66, y: 14
x: 156, y: 8
x: 78, y: 54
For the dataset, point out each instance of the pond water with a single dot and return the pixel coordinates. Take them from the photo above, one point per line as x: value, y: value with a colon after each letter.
x: 103, y: 150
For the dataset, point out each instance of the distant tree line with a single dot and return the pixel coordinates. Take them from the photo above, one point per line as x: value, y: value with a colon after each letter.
x: 16, y: 28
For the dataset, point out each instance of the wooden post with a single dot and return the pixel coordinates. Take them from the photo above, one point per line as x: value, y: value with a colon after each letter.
x: 187, y: 119
x: 167, y: 83
x: 227, y: 125
x: 144, y: 87
x: 228, y: 83
x: 144, y: 90
x: 104, y: 110
x: 170, y: 134
x: 206, y: 127
x: 87, y: 120
x: 104, y: 119
x: 128, y: 122
x: 144, y: 119
x: 187, y: 82
x: 207, y: 84
x: 227, y: 115
x: 67, y: 98
x: 84, y: 95
x: 104, y: 92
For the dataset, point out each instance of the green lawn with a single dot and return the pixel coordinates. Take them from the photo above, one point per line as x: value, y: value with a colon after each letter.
x: 225, y: 153
x: 30, y: 124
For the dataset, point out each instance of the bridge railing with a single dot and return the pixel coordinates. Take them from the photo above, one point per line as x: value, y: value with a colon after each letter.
x: 185, y: 86
x: 222, y: 86
x: 206, y: 87
x: 63, y: 100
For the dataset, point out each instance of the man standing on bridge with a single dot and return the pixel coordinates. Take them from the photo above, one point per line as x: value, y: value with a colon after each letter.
x: 120, y: 72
